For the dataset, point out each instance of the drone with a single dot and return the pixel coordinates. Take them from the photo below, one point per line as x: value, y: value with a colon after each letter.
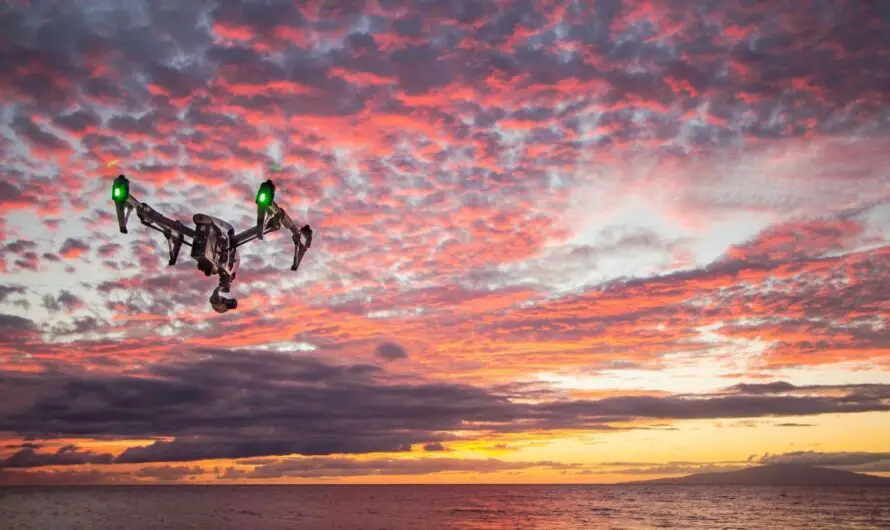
x: 214, y: 242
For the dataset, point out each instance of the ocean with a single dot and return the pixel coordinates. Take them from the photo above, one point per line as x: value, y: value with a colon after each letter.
x: 442, y: 507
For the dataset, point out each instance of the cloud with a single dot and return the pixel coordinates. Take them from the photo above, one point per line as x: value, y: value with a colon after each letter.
x: 80, y: 120
x: 8, y: 290
x: 9, y: 193
x: 391, y: 352
x: 73, y: 248
x: 853, y: 392
x: 348, y: 413
x: 882, y: 466
x: 65, y: 456
x: 321, y: 467
x: 836, y: 459
x: 40, y: 140
x: 777, y: 387
x: 109, y: 250
x: 693, y: 407
x: 14, y: 324
x: 861, y: 462
x: 169, y: 473
x: 65, y: 300
x: 506, y: 190
x: 680, y: 468
x: 19, y: 246
x: 60, y: 477
x: 212, y: 403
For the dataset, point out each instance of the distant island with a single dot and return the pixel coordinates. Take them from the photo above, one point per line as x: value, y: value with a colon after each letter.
x: 776, y: 475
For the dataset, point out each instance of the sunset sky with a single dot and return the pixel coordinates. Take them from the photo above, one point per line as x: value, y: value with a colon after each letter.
x: 588, y: 241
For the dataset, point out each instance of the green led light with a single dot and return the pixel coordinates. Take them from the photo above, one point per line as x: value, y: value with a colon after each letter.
x: 120, y: 189
x: 266, y: 194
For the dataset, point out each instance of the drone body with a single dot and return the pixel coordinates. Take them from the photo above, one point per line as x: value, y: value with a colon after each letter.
x: 214, y: 242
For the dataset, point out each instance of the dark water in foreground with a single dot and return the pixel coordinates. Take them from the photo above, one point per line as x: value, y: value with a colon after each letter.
x: 446, y: 507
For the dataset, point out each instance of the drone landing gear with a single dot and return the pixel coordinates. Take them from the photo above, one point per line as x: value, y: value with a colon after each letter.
x: 174, y: 243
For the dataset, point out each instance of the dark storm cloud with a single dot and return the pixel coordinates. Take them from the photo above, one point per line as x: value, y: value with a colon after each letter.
x: 347, y: 413
x: 66, y: 456
x: 218, y: 404
x: 10, y: 324
x: 391, y: 352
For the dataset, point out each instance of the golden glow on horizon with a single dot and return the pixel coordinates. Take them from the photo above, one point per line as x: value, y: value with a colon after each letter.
x: 591, y: 457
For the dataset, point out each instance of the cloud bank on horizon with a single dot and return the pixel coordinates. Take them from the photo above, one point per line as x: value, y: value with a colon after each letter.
x: 542, y: 228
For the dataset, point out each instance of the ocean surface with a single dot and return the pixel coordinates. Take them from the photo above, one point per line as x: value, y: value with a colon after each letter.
x: 445, y: 507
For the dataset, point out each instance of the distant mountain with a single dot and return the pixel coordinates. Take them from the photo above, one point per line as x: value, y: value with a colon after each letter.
x: 777, y: 475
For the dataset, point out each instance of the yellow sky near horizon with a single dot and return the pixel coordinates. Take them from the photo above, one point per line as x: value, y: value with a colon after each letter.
x: 683, y: 447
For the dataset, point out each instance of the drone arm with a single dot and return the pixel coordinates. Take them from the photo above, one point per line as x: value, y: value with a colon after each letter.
x: 174, y: 231
x: 270, y: 225
x: 271, y: 219
x: 150, y: 217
